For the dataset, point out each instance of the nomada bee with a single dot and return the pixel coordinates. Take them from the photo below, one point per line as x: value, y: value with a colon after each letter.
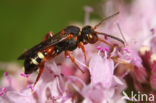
x: 67, y: 40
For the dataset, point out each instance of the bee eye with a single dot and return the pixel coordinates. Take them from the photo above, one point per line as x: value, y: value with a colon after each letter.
x: 91, y: 38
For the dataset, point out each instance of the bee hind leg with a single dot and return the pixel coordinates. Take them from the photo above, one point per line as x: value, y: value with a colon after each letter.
x: 39, y: 74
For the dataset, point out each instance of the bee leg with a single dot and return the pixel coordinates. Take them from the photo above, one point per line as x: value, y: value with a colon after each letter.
x: 47, y: 36
x: 39, y: 74
x: 101, y: 40
x: 81, y: 45
x: 49, y: 51
x: 68, y: 53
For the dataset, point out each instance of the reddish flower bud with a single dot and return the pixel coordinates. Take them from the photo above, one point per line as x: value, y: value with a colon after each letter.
x: 145, y: 53
x: 140, y: 74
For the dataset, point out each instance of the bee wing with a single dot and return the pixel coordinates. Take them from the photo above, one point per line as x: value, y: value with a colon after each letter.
x: 57, y: 38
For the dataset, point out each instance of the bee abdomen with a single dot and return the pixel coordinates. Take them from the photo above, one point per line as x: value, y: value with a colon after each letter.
x: 37, y: 59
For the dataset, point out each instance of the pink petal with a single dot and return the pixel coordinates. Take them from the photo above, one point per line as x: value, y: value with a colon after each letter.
x: 94, y: 93
x: 17, y: 97
x: 140, y: 74
x: 101, y: 71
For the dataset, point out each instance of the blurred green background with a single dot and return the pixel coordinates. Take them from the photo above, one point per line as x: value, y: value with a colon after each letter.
x: 23, y: 23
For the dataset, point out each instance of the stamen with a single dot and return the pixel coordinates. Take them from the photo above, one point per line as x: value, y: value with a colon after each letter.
x: 53, y: 99
x: 8, y: 78
x: 31, y: 87
x: 5, y: 74
x: 24, y: 75
x: 61, y: 90
x: 88, y: 10
x: 117, y: 64
x: 67, y: 56
x: 121, y: 33
x: 106, y: 49
x: 99, y: 52
x: 98, y: 47
x: 2, y: 91
x: 126, y: 73
x: 81, y: 63
x: 102, y: 50
x: 113, y: 53
x: 152, y: 30
x: 126, y: 49
x: 105, y: 54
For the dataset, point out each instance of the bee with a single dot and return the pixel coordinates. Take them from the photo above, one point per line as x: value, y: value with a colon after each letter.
x: 67, y: 40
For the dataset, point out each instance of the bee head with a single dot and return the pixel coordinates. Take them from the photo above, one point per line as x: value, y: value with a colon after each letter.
x: 88, y: 35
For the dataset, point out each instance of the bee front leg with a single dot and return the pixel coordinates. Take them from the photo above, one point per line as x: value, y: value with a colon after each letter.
x: 68, y: 53
x: 81, y: 45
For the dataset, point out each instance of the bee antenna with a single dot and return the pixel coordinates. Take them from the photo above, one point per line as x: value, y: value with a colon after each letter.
x: 113, y: 37
x: 109, y: 17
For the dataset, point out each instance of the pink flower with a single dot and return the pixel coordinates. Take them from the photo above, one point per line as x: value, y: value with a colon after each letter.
x: 50, y: 85
x: 137, y: 22
x: 2, y: 91
x: 18, y: 97
x: 109, y: 66
x: 103, y: 82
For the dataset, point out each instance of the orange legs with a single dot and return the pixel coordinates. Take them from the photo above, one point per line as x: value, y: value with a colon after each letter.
x: 68, y: 53
x: 81, y: 45
x: 49, y: 51
x: 39, y: 74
